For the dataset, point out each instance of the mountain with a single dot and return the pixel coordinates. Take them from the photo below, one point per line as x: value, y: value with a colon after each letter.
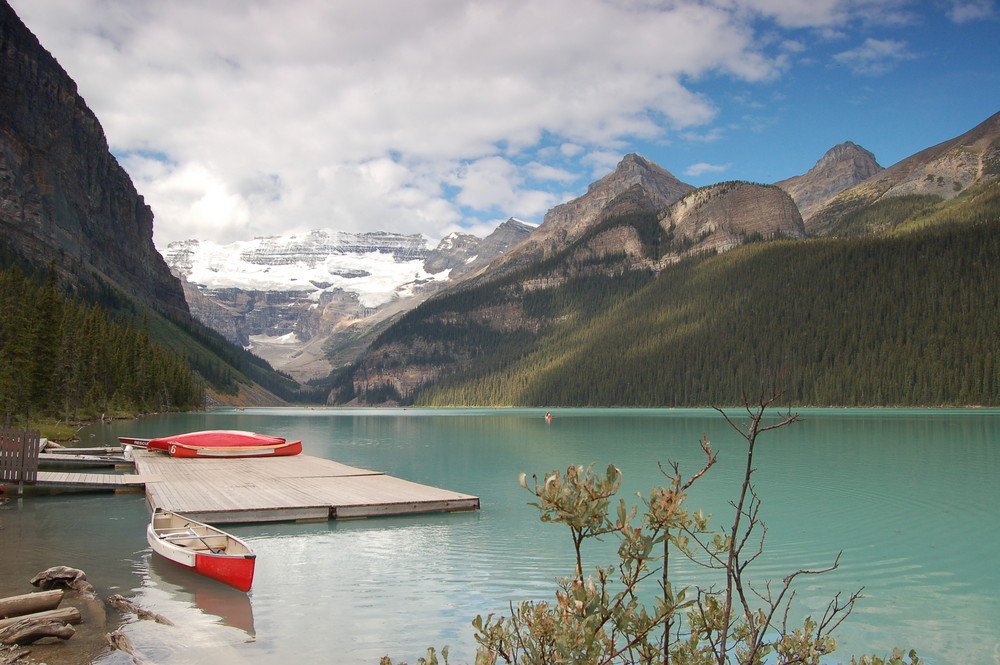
x: 654, y: 188
x: 462, y: 253
x: 714, y: 294
x: 63, y: 196
x: 938, y: 173
x: 843, y: 166
x: 68, y: 210
x: 624, y: 243
x: 307, y: 303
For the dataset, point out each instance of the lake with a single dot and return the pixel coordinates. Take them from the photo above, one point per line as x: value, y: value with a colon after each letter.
x: 909, y: 496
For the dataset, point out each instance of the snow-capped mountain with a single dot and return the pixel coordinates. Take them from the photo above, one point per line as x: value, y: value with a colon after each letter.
x: 376, y: 267
x: 305, y: 302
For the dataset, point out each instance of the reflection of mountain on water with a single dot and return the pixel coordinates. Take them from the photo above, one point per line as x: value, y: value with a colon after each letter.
x: 232, y: 607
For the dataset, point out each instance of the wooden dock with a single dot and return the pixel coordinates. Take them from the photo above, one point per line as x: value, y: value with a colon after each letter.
x: 91, y: 481
x: 274, y: 489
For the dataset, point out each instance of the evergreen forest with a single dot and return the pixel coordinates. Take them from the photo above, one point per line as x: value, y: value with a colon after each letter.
x: 81, y: 353
x: 62, y: 358
x: 909, y: 316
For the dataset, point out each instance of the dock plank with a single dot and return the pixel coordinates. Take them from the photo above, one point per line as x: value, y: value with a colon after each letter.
x: 62, y: 479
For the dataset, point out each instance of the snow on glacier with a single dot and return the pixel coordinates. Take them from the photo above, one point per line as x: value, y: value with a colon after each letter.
x: 375, y: 276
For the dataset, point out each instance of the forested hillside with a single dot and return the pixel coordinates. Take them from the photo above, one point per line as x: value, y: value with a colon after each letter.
x: 79, y: 354
x: 907, y: 317
x: 62, y: 358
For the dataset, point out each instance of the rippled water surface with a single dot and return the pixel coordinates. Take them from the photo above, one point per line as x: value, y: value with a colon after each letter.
x: 909, y: 496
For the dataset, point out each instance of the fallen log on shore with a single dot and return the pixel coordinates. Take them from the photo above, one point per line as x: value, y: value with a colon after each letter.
x: 63, y: 614
x: 30, y: 629
x: 29, y: 603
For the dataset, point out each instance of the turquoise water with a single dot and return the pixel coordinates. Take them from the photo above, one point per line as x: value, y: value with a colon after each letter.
x: 909, y: 496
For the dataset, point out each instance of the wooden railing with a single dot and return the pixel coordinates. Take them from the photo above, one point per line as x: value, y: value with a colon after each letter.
x: 19, y: 455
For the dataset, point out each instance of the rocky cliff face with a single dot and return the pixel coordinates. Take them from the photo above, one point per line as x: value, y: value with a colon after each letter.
x: 63, y: 196
x: 464, y: 253
x: 843, y: 166
x: 565, y: 223
x: 723, y: 216
x: 716, y: 218
x: 944, y: 170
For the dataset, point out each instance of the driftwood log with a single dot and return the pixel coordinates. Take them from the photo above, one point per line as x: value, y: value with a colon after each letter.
x: 123, y: 604
x: 63, y: 614
x: 29, y: 603
x: 30, y: 629
x: 64, y: 577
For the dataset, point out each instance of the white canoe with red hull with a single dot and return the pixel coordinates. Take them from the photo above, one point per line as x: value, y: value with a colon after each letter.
x: 202, y: 548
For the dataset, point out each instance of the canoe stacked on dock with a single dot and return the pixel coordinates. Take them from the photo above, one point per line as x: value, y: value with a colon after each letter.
x: 219, y: 443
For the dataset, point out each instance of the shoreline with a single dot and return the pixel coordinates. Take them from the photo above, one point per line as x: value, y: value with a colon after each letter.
x: 87, y: 645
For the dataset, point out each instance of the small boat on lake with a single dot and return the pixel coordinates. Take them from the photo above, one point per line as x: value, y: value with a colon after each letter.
x: 202, y: 548
x: 219, y: 443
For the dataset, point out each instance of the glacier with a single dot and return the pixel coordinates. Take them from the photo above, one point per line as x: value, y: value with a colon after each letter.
x: 376, y: 267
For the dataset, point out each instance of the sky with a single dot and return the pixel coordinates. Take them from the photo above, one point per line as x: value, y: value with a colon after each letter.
x: 245, y: 118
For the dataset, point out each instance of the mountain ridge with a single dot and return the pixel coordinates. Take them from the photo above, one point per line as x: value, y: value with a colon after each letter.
x: 943, y: 170
x: 494, y: 326
x: 567, y: 221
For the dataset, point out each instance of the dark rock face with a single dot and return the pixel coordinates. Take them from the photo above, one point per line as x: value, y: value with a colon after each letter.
x: 843, y: 166
x: 63, y: 196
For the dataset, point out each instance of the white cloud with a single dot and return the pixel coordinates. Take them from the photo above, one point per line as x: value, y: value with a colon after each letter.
x: 971, y: 10
x: 874, y: 56
x: 601, y: 161
x: 551, y: 173
x: 710, y: 136
x: 702, y: 168
x: 239, y: 118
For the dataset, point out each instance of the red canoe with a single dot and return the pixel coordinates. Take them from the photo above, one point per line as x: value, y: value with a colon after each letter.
x: 202, y: 548
x: 275, y: 450
x: 216, y: 438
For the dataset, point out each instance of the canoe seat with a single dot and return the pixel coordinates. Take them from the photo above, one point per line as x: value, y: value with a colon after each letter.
x: 180, y: 535
x: 173, y: 534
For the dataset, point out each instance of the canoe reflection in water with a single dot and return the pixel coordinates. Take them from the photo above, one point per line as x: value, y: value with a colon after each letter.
x: 232, y: 607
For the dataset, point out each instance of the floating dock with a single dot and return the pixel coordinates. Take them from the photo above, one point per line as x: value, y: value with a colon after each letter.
x: 278, y: 489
